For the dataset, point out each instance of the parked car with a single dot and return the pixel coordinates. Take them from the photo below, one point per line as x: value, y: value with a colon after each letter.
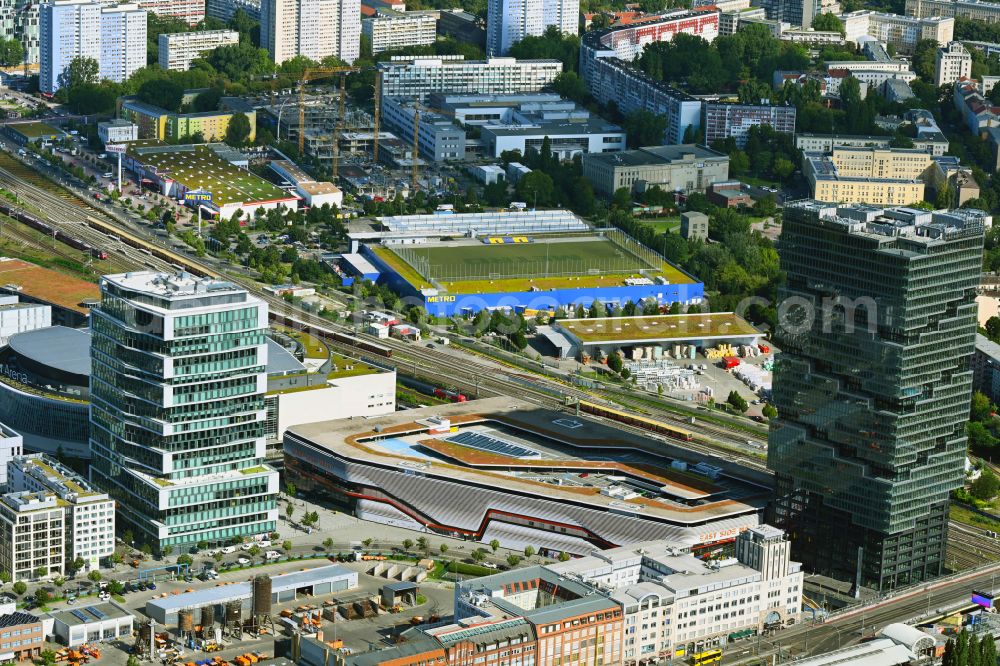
x: 228, y: 550
x: 247, y: 546
x: 243, y: 561
x: 272, y: 554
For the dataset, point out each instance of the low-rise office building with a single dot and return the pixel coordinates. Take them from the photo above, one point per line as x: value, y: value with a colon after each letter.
x: 683, y: 168
x: 103, y: 622
x: 22, y: 636
x: 438, y: 138
x: 929, y: 137
x: 90, y: 514
x: 890, y: 177
x: 675, y: 604
x: 973, y: 10
x: 177, y: 50
x: 17, y: 317
x: 313, y: 192
x: 117, y: 130
x: 389, y: 30
x: 569, y: 134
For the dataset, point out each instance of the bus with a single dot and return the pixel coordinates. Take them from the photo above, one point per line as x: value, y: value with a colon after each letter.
x: 706, y: 657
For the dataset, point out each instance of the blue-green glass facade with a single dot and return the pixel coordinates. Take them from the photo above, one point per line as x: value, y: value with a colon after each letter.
x: 177, y: 408
x: 877, y: 325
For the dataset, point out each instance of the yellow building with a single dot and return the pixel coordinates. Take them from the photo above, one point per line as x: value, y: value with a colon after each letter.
x: 160, y: 124
x: 890, y: 177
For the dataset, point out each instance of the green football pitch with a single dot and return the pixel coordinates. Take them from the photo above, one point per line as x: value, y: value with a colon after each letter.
x: 521, y: 260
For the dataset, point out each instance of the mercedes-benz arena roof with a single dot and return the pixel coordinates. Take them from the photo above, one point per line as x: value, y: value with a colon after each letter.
x: 657, y: 328
x: 58, y: 347
x: 68, y: 350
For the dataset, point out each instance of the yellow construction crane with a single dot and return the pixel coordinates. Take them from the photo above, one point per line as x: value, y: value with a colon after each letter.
x: 312, y: 74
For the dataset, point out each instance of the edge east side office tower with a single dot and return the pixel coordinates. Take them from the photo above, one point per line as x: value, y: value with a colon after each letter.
x: 870, y: 437
x: 177, y: 408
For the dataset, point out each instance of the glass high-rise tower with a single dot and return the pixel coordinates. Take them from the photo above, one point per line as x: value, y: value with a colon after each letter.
x: 877, y: 324
x: 177, y: 408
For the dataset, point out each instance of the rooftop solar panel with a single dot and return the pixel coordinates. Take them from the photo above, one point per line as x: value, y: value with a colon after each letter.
x: 483, y: 442
x: 100, y: 615
x: 80, y: 616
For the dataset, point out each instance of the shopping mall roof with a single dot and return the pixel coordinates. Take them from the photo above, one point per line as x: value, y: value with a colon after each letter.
x: 657, y: 328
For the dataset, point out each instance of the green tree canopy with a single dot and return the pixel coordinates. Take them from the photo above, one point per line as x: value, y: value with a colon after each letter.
x: 164, y: 93
x: 828, y: 23
x: 986, y: 486
x: 238, y: 130
x: 553, y: 44
x: 11, y: 52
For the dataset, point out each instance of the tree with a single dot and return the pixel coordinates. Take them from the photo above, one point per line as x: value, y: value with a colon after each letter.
x: 769, y: 411
x: 924, y: 54
x: 962, y: 649
x: 513, y: 559
x: 986, y: 486
x: 828, y: 23
x: 423, y: 544
x: 78, y: 564
x: 478, y: 555
x: 553, y: 44
x: 48, y: 657
x: 495, y: 545
x: 974, y: 655
x: 615, y: 362
x: 407, y: 544
x: 443, y: 548
x: 529, y: 551
x: 4, y: 577
x: 537, y: 189
x: 115, y: 587
x: 993, y: 326
x: 286, y: 545
x: 737, y: 401
x: 290, y: 489
x: 217, y: 556
x: 644, y: 128
x: 987, y: 650
x: 289, y: 511
x: 164, y: 93
x: 981, y: 408
x: 238, y: 130
x: 254, y: 551
x: 184, y: 558
x: 20, y: 588
x: 367, y: 543
x: 166, y: 550
x: 564, y: 556
x: 79, y: 71
x: 42, y: 595
x: 202, y: 545
x: 208, y: 100
x: 755, y: 92
x: 60, y: 581
x: 94, y: 576
x: 570, y: 86
x: 328, y: 543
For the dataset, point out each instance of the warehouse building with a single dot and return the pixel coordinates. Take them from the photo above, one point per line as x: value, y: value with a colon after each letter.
x: 99, y: 623
x: 318, y: 581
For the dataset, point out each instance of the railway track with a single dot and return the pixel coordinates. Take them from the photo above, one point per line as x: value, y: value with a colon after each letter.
x: 132, y: 250
x: 970, y: 546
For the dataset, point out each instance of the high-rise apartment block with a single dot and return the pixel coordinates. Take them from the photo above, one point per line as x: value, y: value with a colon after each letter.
x: 510, y: 21
x: 224, y: 9
x: 19, y: 20
x: 722, y: 121
x: 190, y: 11
x: 177, y: 408
x: 408, y: 76
x: 178, y: 50
x: 797, y: 12
x: 90, y: 515
x: 399, y: 30
x: 113, y: 36
x: 877, y: 324
x: 32, y: 543
x: 311, y: 28
x: 952, y: 63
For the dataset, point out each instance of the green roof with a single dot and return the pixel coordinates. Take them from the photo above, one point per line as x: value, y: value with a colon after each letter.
x: 658, y: 327
x: 197, y: 167
x: 35, y: 130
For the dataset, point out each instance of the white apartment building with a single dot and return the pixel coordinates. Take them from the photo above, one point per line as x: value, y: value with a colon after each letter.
x: 114, y: 36
x: 406, y: 76
x: 16, y: 317
x: 952, y: 63
x: 903, y: 32
x: 117, y: 130
x: 178, y: 50
x: 675, y: 604
x: 190, y: 11
x: 398, y: 30
x: 11, y: 446
x: 510, y: 21
x: 90, y: 515
x: 224, y: 9
x: 312, y: 28
x: 32, y: 539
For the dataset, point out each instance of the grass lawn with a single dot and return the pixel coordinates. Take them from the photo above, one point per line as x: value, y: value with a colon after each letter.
x: 960, y: 514
x: 663, y: 224
x: 313, y: 347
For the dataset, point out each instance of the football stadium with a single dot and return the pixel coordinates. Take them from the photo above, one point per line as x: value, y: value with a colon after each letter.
x: 530, y: 273
x: 503, y: 469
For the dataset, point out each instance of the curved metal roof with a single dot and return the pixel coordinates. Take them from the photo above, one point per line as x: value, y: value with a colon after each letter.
x: 58, y: 347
